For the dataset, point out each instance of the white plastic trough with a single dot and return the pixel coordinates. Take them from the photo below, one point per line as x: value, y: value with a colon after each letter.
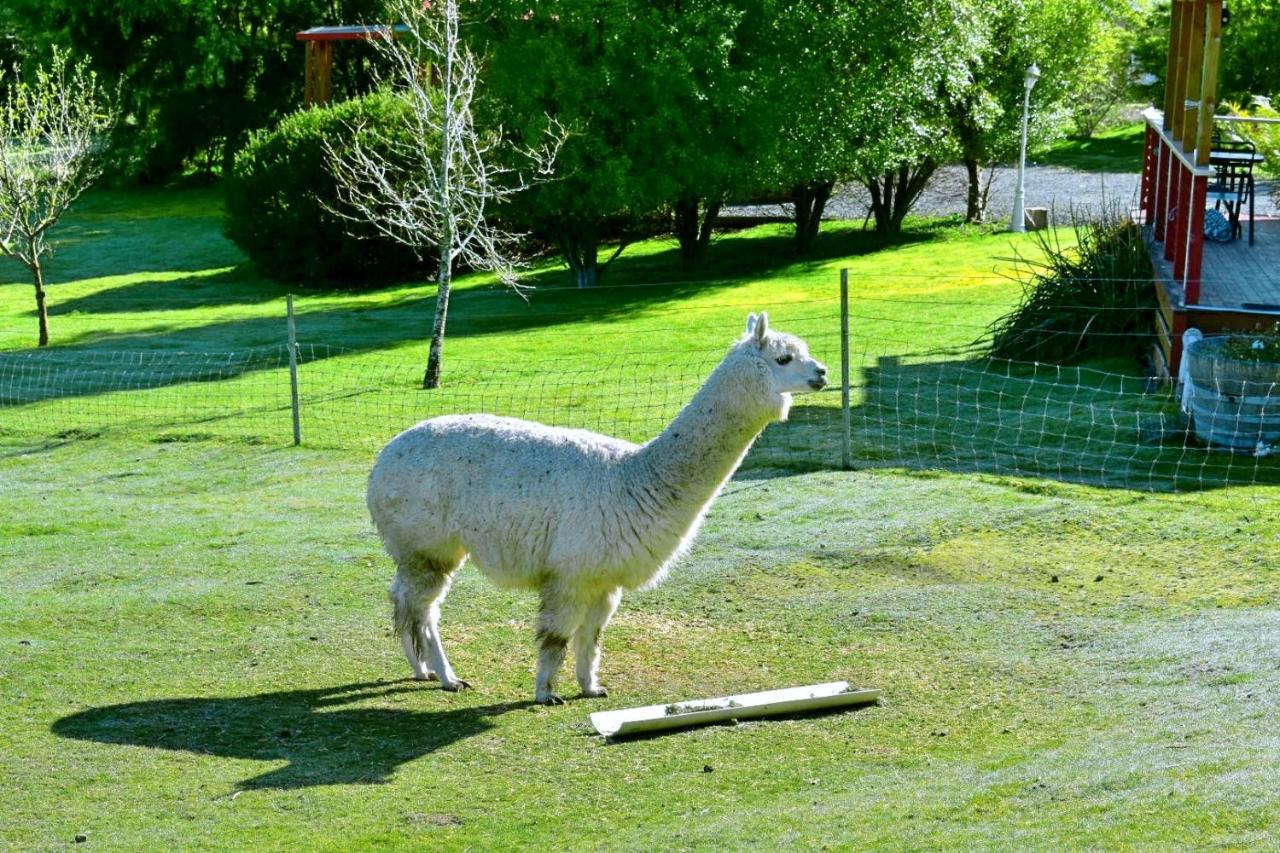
x: 789, y: 700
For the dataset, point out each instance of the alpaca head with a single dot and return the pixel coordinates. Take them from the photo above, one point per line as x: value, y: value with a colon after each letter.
x: 783, y: 358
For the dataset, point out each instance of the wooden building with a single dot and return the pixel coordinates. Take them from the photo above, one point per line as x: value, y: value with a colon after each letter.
x: 1212, y: 286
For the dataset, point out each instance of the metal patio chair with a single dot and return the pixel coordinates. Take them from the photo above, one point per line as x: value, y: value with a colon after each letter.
x: 1233, y: 185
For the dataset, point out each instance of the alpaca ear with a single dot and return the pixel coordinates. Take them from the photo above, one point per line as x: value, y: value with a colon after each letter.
x: 751, y: 323
x: 760, y: 327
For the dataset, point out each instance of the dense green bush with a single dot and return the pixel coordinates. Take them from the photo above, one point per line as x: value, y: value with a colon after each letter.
x: 277, y: 190
x: 1089, y: 299
x: 195, y: 77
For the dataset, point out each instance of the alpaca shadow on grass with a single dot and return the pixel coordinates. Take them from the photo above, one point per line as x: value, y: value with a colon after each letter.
x: 323, y: 742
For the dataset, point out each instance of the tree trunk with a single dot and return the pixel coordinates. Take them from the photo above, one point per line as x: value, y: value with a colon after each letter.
x: 693, y: 227
x: 973, y: 203
x: 894, y: 193
x: 809, y: 201
x: 985, y: 199
x: 580, y: 253
x: 444, y: 284
x: 42, y: 311
x: 587, y: 275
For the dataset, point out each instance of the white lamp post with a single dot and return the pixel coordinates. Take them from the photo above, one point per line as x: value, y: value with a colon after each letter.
x: 1019, y: 223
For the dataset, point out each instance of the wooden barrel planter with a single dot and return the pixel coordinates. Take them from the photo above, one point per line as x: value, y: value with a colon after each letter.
x: 1233, y: 403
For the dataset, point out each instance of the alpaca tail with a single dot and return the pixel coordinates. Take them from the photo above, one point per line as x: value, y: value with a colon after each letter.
x: 407, y: 618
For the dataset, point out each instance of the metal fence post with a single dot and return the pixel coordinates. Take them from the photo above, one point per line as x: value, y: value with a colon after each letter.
x: 846, y: 444
x: 293, y: 373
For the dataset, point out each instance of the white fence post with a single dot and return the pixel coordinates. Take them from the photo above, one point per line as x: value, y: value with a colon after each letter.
x: 293, y: 373
x: 846, y: 444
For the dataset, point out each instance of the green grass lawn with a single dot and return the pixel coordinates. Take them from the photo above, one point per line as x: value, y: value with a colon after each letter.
x: 125, y: 283
x: 195, y: 644
x: 1116, y: 149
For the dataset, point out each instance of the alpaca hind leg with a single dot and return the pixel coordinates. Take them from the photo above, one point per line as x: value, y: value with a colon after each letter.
x: 557, y: 621
x: 409, y: 625
x: 435, y: 647
x: 415, y: 650
x: 586, y: 642
x: 416, y: 592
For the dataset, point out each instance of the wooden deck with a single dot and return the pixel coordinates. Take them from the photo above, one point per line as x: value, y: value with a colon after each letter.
x: 1239, y: 291
x: 1239, y: 276
x: 1235, y: 276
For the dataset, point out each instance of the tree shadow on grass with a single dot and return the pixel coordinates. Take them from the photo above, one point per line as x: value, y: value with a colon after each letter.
x: 752, y: 252
x: 323, y: 742
x: 193, y: 292
x: 1085, y: 425
x: 89, y: 365
x: 658, y: 275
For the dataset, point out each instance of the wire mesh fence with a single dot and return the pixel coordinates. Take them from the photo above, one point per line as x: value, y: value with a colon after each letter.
x: 923, y: 392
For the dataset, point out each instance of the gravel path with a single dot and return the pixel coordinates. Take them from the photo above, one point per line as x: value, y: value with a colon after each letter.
x: 1058, y: 189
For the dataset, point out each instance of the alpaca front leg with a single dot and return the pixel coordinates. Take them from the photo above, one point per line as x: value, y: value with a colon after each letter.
x: 586, y: 642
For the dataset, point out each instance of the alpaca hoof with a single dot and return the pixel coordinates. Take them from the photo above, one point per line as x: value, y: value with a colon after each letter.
x: 428, y: 676
x: 596, y: 693
x: 457, y: 686
x: 551, y: 699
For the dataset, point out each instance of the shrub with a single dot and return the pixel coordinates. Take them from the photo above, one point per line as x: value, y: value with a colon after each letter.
x: 275, y: 195
x: 1091, y: 299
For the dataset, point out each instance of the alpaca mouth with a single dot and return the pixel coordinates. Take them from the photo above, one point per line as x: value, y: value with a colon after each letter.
x: 817, y: 384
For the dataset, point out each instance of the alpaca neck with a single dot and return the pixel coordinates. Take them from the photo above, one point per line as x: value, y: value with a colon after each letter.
x: 699, y: 450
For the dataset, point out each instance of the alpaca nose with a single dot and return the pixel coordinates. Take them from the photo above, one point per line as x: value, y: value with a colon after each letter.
x: 822, y: 371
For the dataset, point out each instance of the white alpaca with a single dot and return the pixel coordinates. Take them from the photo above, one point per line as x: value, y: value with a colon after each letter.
x: 575, y: 515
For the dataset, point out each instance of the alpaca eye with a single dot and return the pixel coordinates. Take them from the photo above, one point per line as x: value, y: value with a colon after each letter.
x: 785, y: 359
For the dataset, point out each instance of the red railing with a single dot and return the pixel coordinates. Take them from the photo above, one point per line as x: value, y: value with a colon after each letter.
x: 1172, y: 200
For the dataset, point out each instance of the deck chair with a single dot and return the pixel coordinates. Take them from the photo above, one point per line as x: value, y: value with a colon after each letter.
x: 1232, y: 184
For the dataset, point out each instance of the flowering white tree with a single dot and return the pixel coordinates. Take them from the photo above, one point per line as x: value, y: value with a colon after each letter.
x: 52, y: 124
x: 436, y: 184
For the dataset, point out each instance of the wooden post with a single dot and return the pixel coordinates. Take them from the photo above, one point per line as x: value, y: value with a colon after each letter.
x: 1175, y: 91
x: 1144, y: 193
x: 1177, y: 242
x: 1211, y: 36
x: 1195, y: 241
x: 846, y: 441
x: 1161, y: 214
x: 1171, y: 68
x: 1174, y: 199
x: 318, y: 78
x: 293, y: 373
x: 1194, y: 77
x: 1209, y: 79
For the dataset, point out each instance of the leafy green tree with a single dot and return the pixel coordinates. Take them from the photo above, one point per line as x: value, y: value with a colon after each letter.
x: 604, y: 70
x: 196, y: 76
x: 858, y: 95
x: 1250, y: 63
x: 1074, y: 43
x: 1093, y: 44
x: 719, y: 117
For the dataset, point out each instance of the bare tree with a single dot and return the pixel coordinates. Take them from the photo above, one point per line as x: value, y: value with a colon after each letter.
x: 436, y: 185
x: 51, y: 127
